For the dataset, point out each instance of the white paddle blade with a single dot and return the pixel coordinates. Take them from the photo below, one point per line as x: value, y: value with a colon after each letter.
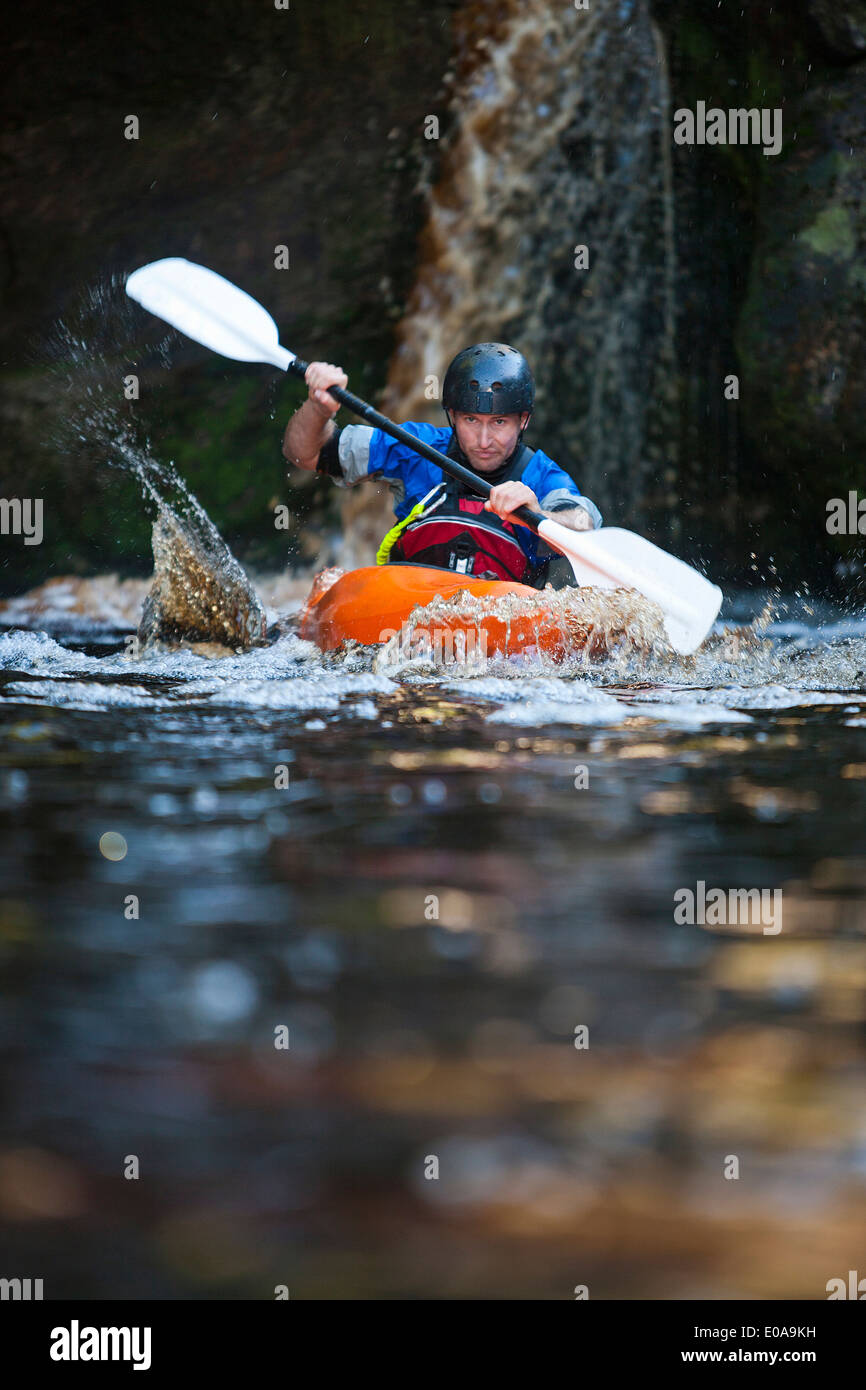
x: 612, y: 558
x: 208, y: 309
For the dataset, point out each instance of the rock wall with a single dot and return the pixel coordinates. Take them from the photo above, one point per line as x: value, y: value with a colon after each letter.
x: 258, y: 127
x: 769, y: 286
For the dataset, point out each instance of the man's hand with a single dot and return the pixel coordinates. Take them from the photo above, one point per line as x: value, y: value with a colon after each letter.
x: 319, y: 376
x: 505, y: 497
x: 311, y: 425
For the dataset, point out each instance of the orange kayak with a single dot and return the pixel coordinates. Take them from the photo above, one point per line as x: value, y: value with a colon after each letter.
x: 375, y: 604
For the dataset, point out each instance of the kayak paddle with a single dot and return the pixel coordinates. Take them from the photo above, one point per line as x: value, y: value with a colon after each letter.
x: 217, y: 314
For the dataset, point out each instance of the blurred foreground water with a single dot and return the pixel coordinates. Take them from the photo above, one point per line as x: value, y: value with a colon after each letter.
x: 549, y: 816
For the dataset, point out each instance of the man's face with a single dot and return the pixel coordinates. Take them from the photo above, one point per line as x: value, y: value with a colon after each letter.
x: 488, y: 440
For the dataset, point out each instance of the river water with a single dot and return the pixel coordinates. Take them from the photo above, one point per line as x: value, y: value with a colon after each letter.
x: 452, y: 894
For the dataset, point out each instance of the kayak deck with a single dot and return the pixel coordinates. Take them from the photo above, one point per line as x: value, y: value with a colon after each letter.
x: 374, y: 604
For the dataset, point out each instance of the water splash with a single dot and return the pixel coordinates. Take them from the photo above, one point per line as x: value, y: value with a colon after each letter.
x: 199, y: 591
x: 569, y: 627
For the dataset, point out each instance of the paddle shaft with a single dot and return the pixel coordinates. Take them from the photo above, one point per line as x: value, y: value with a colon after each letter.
x: 354, y: 403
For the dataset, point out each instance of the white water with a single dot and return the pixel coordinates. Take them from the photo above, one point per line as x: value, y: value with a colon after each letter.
x: 793, y: 665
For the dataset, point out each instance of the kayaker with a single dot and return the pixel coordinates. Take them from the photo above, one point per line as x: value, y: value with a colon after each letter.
x: 488, y: 397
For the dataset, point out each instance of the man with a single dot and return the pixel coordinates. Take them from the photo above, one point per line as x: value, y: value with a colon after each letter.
x: 488, y: 396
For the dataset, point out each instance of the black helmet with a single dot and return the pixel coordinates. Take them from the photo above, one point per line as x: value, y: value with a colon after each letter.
x: 489, y: 379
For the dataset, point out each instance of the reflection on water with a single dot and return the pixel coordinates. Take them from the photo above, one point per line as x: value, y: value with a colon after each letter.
x: 431, y: 880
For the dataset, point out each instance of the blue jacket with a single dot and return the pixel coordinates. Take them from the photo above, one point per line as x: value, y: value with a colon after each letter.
x: 370, y: 453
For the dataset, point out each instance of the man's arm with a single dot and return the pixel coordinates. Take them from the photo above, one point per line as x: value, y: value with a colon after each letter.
x: 312, y: 424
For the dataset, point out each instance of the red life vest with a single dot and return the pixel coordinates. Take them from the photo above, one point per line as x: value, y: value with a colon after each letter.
x: 460, y: 535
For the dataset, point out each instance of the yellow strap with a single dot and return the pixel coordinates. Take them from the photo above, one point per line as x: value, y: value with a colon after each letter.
x: 389, y: 540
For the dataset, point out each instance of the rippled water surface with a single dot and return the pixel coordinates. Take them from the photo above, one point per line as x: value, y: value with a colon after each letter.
x: 431, y: 878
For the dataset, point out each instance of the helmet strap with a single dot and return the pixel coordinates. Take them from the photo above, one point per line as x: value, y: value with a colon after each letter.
x: 458, y: 447
x: 523, y: 429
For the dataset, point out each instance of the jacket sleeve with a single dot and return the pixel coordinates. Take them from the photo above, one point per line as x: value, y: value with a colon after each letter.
x: 558, y: 492
x: 354, y: 454
x: 563, y: 500
x: 362, y: 452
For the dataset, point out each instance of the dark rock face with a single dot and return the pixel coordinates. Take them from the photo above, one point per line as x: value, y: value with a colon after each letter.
x: 769, y: 287
x: 841, y: 25
x: 802, y: 329
x: 259, y: 127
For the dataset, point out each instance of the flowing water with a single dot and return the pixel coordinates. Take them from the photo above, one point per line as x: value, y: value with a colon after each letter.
x: 431, y: 877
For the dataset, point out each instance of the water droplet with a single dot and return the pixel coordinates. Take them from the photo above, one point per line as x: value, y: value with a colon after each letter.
x: 223, y: 992
x: 489, y: 793
x: 205, y: 800
x: 112, y: 845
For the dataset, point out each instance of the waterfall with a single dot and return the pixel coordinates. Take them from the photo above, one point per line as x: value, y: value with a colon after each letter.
x: 560, y: 138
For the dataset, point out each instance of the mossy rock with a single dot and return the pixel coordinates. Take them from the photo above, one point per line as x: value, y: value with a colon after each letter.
x: 801, y: 335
